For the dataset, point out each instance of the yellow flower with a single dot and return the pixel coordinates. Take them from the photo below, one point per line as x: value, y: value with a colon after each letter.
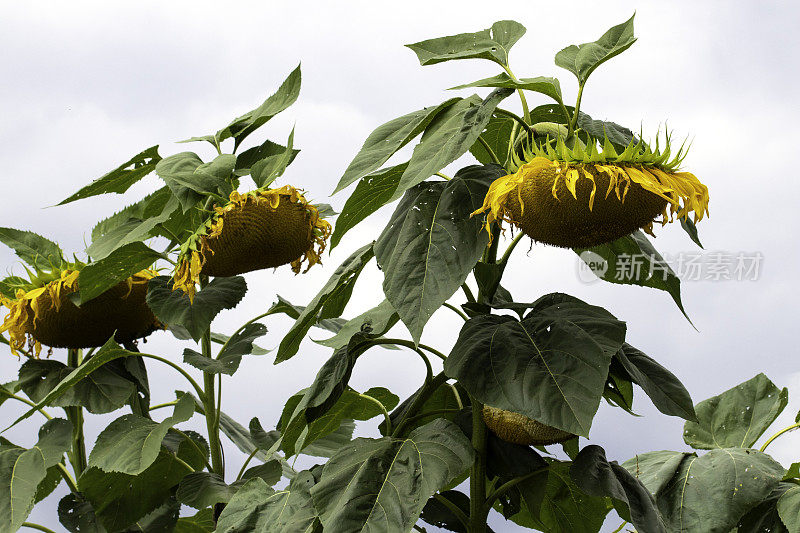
x: 256, y: 230
x: 577, y: 198
x: 45, y: 315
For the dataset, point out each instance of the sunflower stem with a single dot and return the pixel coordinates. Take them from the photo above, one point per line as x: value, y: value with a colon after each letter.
x: 477, y: 478
x: 778, y: 434
x: 574, y: 121
x: 209, y: 401
x: 77, y: 453
x: 525, y: 111
x: 489, y: 150
x: 507, y: 254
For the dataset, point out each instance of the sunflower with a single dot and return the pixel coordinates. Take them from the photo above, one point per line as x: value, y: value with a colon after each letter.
x: 581, y: 197
x: 43, y: 313
x: 519, y: 429
x: 256, y: 230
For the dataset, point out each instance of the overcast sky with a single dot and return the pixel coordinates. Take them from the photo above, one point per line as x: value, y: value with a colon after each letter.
x: 85, y: 85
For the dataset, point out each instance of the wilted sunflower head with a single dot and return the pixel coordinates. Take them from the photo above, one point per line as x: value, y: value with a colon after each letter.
x: 256, y: 230
x: 581, y: 197
x: 42, y: 312
x: 519, y: 429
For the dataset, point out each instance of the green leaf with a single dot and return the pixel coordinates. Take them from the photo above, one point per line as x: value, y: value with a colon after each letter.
x: 388, y: 139
x: 103, y: 391
x: 203, y: 489
x: 664, y: 389
x: 331, y: 443
x: 270, y: 168
x: 77, y: 515
x: 22, y: 471
x: 551, y: 366
x: 493, y: 44
x: 656, y: 469
x: 251, y: 156
x: 294, y: 311
x: 582, y: 59
x: 163, y: 518
x: 443, y: 397
x: 10, y: 285
x: 379, y: 319
x: 497, y: 135
x: 121, y: 178
x: 131, y: 443
x: 383, y: 484
x: 191, y: 180
x: 119, y: 265
x: 347, y: 272
x: 439, y: 515
x: 620, y: 136
x: 134, y: 223
x: 119, y: 500
x: 711, y: 492
x: 32, y: 248
x: 691, y: 230
x: 449, y: 137
x: 431, y: 244
x: 174, y: 308
x: 372, y: 192
x: 246, y: 124
x: 108, y: 352
x: 270, y: 472
x: 229, y: 357
x: 632, y: 260
x: 737, y: 417
x: 256, y: 507
x: 789, y: 508
x: 540, y: 84
x: 595, y: 476
x: 201, y: 522
x: 764, y: 516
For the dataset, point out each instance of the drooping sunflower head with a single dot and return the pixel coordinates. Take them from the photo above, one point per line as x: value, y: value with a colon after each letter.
x: 519, y: 429
x: 256, y: 230
x: 43, y: 313
x: 582, y: 196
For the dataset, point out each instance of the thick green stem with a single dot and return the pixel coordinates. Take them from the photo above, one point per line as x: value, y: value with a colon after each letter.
x: 514, y: 242
x: 456, y: 310
x: 525, y: 111
x: 38, y: 527
x: 576, y: 112
x: 77, y: 453
x: 73, y: 487
x: 778, y: 434
x: 209, y: 400
x: 477, y: 478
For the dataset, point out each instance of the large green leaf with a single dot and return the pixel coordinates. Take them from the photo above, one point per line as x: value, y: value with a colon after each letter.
x: 632, y: 260
x: 174, y: 308
x: 136, y: 223
x: 379, y: 319
x: 551, y: 366
x: 204, y: 489
x: 256, y: 507
x: 108, y: 352
x: 710, y: 493
x: 201, y: 522
x: 497, y: 135
x: 596, y: 476
x: 388, y: 139
x: 371, y: 193
x: 96, y: 278
x: 345, y: 273
x: 431, y: 244
x: 22, y: 471
x: 439, y: 515
x: 737, y: 417
x: 32, y: 248
x: 246, y: 124
x: 764, y: 517
x: 789, y: 508
x: 493, y: 44
x: 582, y: 59
x: 448, y: 137
x: 121, y: 178
x: 251, y: 156
x: 191, y: 180
x: 540, y: 84
x: 119, y: 500
x: 665, y: 390
x: 131, y: 443
x: 267, y: 170
x: 445, y: 396
x: 77, y: 515
x: 382, y: 484
x: 229, y: 357
x: 103, y: 391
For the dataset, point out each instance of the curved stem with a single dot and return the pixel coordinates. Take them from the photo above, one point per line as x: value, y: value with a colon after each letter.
x: 456, y: 310
x: 525, y: 112
x: 489, y: 150
x: 463, y: 518
x: 426, y: 414
x: 577, y: 111
x: 196, y: 447
x: 514, y: 242
x: 162, y: 405
x: 425, y: 393
x: 241, y: 328
x: 383, y: 410
x: 197, y: 388
x: 623, y: 524
x: 31, y: 525
x: 445, y: 176
x: 28, y: 402
x: 73, y: 487
x: 516, y: 117
x: 510, y: 484
x: 468, y: 292
x: 183, y: 463
x: 778, y: 434
x: 246, y: 462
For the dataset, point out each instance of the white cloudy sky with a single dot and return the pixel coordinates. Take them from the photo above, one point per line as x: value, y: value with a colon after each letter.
x: 85, y: 85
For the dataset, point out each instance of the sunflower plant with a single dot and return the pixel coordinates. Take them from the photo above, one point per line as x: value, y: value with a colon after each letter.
x: 500, y: 423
